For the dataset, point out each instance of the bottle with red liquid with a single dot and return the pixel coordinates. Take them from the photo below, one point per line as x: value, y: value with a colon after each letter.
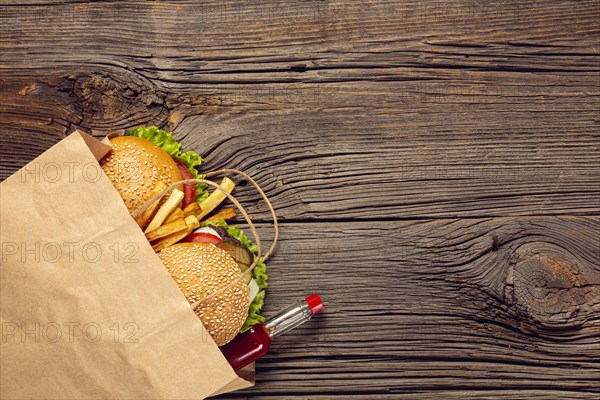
x: 255, y: 342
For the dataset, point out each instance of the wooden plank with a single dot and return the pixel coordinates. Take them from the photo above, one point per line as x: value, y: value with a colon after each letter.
x: 404, y: 103
x: 433, y: 164
x: 468, y: 308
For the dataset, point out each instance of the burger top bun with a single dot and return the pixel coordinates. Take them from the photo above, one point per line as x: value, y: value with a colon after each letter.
x: 201, y: 269
x: 134, y: 166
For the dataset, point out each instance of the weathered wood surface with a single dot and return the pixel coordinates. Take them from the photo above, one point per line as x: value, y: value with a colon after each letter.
x: 435, y: 166
x: 430, y: 305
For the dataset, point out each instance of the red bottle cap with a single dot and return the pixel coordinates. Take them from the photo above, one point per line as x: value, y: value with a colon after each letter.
x: 315, y: 303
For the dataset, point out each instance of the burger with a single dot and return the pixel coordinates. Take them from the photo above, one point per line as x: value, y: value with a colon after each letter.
x: 207, y: 258
x: 201, y: 269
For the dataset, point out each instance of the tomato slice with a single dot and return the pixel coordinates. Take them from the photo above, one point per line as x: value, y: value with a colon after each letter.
x: 189, y: 189
x: 202, y: 237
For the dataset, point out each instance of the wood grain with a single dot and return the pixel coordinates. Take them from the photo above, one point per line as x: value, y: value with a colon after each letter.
x: 467, y: 308
x: 434, y: 164
x: 434, y: 118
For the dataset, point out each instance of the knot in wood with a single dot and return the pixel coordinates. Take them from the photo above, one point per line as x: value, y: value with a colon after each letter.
x: 112, y: 101
x: 552, y: 288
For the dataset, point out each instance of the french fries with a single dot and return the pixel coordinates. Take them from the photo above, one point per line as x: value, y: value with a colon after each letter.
x: 215, y: 198
x: 192, y: 209
x: 170, y: 224
x: 226, y: 214
x: 144, y: 218
x: 163, y: 212
x: 170, y: 240
x: 175, y: 226
x: 191, y: 223
x: 176, y: 214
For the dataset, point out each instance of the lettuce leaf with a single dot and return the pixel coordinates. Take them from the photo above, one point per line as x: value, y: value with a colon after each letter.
x: 259, y: 273
x: 168, y: 143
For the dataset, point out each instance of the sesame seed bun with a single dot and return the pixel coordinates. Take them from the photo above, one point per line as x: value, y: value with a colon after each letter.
x: 201, y: 269
x: 134, y: 166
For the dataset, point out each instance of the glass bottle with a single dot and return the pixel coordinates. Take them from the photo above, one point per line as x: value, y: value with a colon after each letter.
x: 251, y: 345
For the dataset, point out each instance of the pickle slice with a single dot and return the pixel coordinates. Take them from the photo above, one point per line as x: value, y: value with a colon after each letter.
x: 240, y: 254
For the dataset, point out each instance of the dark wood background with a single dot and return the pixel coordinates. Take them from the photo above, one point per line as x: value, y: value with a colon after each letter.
x: 434, y: 164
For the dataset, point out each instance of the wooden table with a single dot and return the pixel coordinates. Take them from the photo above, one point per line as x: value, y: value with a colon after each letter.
x: 434, y: 164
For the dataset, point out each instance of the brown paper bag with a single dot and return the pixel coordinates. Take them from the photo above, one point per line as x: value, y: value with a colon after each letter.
x: 86, y: 307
